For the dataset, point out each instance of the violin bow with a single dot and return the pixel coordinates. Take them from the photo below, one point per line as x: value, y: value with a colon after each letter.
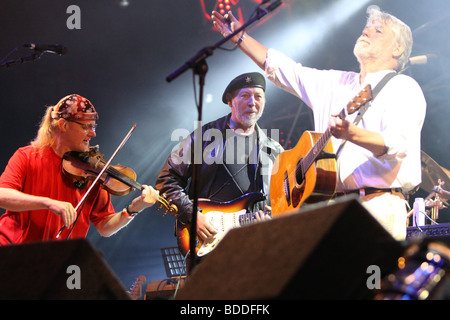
x: 96, y: 179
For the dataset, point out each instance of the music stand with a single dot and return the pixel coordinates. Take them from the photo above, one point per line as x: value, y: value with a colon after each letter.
x: 173, y: 262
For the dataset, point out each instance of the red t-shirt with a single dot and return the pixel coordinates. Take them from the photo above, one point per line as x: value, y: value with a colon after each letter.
x: 40, y: 174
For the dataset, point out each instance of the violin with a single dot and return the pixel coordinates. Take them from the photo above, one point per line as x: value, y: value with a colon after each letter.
x: 118, y: 180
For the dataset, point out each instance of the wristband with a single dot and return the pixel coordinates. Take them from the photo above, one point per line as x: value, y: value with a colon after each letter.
x: 129, y: 213
x: 241, y: 39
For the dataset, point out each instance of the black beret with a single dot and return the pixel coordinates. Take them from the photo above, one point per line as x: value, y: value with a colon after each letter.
x: 246, y: 80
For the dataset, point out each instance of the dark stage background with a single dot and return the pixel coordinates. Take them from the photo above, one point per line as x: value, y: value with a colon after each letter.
x: 120, y: 58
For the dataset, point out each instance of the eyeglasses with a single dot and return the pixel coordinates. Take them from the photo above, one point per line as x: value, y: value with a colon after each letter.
x: 86, y: 126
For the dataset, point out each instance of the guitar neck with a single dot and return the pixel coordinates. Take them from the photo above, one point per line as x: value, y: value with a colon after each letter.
x: 250, y: 217
x: 318, y: 147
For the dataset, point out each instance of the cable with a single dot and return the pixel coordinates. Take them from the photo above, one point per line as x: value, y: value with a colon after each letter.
x: 180, y: 276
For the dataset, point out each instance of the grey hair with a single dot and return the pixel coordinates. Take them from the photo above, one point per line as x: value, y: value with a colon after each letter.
x: 402, y: 32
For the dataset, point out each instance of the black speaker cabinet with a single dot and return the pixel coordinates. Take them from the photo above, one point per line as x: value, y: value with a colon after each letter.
x: 70, y: 269
x: 320, y: 252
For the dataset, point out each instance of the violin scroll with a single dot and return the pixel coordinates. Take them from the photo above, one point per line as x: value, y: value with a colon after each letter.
x: 169, y: 207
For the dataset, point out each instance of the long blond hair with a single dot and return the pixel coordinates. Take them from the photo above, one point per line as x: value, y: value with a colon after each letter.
x: 72, y: 106
x: 47, y: 131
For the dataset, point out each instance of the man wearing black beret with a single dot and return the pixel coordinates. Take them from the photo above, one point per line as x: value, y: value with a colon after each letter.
x: 236, y: 157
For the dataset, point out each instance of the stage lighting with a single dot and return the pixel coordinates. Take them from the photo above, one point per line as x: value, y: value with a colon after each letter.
x: 124, y: 3
x: 223, y: 6
x: 238, y: 7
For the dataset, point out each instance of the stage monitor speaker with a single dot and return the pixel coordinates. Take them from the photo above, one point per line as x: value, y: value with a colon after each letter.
x: 320, y: 252
x: 70, y: 269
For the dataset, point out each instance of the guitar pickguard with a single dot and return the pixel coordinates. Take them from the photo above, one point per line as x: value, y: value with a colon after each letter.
x: 224, y: 215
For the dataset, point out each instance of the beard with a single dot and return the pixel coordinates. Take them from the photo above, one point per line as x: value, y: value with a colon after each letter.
x: 249, y: 120
x: 360, y: 50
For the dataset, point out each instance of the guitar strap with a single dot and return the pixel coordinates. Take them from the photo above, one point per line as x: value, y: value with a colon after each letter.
x: 366, y: 106
x: 257, y: 183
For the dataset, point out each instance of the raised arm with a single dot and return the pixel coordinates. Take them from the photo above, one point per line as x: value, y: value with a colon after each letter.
x: 227, y: 24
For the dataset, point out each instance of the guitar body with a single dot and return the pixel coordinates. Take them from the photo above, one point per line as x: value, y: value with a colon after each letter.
x: 289, y: 188
x: 224, y: 215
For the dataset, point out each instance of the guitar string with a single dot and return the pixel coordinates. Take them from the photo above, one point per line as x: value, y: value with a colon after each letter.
x: 321, y: 143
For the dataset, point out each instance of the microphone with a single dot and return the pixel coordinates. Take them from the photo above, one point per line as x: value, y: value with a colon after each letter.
x: 422, y: 59
x: 51, y: 48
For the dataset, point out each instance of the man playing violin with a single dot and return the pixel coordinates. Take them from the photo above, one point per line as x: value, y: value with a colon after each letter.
x: 39, y: 200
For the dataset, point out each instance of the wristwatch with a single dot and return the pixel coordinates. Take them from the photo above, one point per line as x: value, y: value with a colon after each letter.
x: 128, y: 212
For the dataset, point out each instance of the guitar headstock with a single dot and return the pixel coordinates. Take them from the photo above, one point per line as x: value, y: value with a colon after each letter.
x: 136, y: 288
x: 364, y: 96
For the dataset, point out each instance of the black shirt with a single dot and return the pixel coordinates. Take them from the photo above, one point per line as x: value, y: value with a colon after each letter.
x: 236, y: 174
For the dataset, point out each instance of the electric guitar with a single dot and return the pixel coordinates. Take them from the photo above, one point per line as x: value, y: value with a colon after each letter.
x: 307, y: 173
x: 224, y: 216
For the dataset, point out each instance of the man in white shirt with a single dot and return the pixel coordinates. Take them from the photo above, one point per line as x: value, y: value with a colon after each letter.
x: 380, y: 159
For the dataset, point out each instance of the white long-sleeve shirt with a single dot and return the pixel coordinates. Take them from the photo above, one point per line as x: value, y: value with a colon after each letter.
x: 397, y: 113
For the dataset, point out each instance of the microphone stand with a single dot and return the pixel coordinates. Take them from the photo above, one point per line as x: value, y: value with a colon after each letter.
x: 199, y: 67
x: 31, y: 57
x: 208, y: 51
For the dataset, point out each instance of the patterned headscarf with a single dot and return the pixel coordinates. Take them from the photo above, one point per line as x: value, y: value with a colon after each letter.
x: 74, y: 107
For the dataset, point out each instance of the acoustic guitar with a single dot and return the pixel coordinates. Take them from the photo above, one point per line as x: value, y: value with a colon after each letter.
x: 307, y: 173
